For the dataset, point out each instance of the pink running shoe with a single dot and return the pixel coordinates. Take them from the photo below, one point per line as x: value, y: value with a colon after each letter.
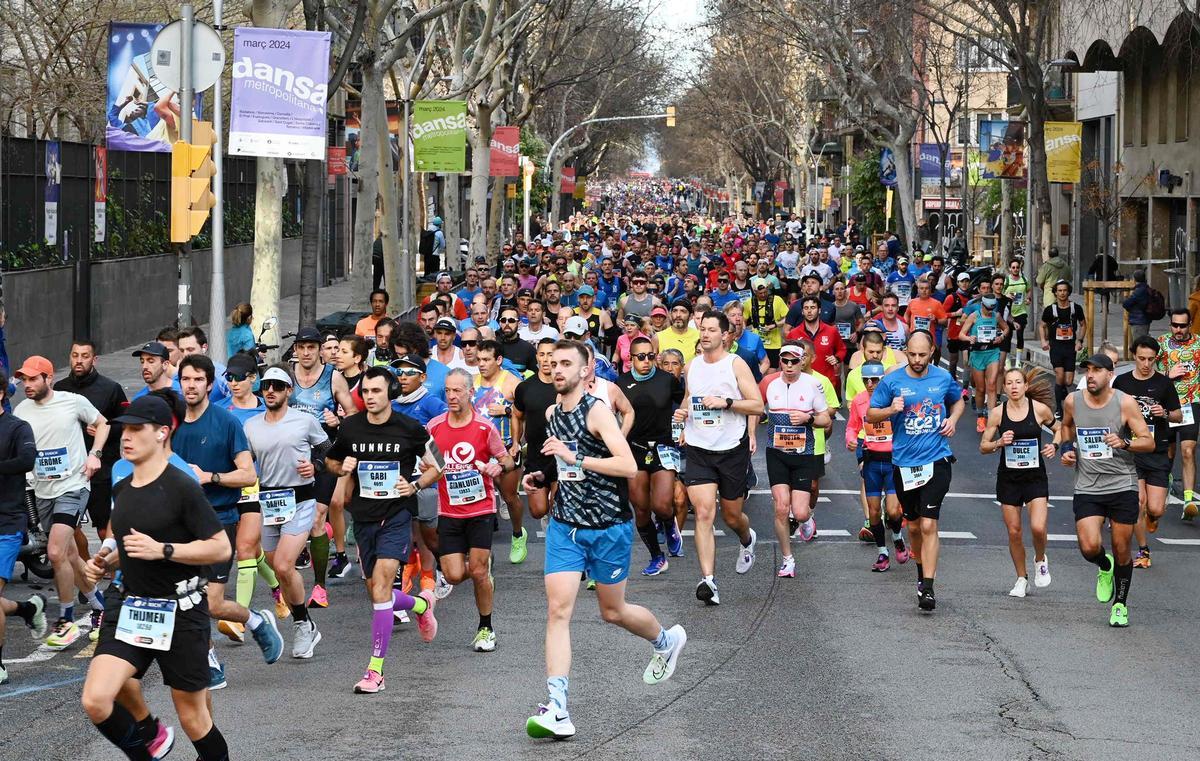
x: 808, y: 530
x: 426, y: 622
x: 882, y: 563
x: 902, y: 555
x: 163, y: 741
x: 371, y: 683
x: 319, y: 597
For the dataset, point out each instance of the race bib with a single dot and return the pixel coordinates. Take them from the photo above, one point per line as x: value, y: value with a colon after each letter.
x: 465, y: 487
x: 249, y: 494
x: 702, y: 417
x: 1022, y: 454
x: 894, y: 340
x: 903, y: 292
x: 51, y: 464
x: 844, y: 329
x: 985, y: 333
x: 1092, y: 445
x: 915, y: 476
x: 379, y: 480
x: 1018, y: 298
x: 1189, y: 416
x: 1064, y: 333
x: 569, y: 472
x: 920, y: 323
x: 668, y: 457
x: 278, y: 506
x: 147, y: 622
x: 676, y: 431
x: 877, y: 433
x: 790, y: 437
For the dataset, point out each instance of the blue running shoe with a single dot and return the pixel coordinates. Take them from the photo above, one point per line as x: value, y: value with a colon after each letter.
x: 657, y: 566
x: 267, y: 635
x: 674, y: 540
x: 216, y: 677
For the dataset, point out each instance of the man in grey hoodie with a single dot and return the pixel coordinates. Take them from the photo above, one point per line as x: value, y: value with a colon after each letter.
x: 1055, y: 268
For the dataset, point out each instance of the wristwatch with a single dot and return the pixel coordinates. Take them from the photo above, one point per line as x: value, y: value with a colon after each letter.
x: 728, y: 402
x: 96, y: 453
x: 168, y: 551
x: 216, y: 478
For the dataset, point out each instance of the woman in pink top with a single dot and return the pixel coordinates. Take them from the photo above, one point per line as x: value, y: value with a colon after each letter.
x: 633, y: 329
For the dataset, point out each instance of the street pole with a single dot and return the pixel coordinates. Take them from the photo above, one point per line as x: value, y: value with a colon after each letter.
x: 216, y: 298
x: 408, y: 291
x: 527, y: 185
x: 187, y: 100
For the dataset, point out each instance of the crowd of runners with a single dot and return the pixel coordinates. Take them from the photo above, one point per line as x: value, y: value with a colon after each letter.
x: 607, y: 378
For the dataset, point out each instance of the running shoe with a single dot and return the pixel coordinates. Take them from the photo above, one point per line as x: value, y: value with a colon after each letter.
x: 1151, y: 523
x: 485, y: 640
x: 504, y: 510
x: 96, y: 620
x: 903, y: 554
x: 865, y: 535
x: 267, y: 637
x: 163, y: 742
x: 441, y: 587
x: 1119, y: 617
x: 3, y: 675
x: 980, y: 424
x: 793, y: 526
x: 37, y: 622
x: 371, y: 683
x: 216, y: 673
x: 657, y: 565
x: 550, y: 721
x: 706, y: 592
x: 401, y: 616
x: 519, y: 549
x: 1020, y: 588
x: 304, y: 560
x: 591, y: 585
x: 1104, y: 581
x: 927, y: 602
x: 305, y: 639
x: 340, y: 567
x: 427, y: 622
x: 64, y: 635
x: 788, y: 569
x: 1041, y: 573
x: 319, y: 597
x: 674, y: 539
x: 282, y: 609
x: 233, y: 630
x: 662, y: 664
x: 808, y: 529
x: 1142, y: 560
x: 746, y: 557
x: 882, y: 563
x: 1190, y: 510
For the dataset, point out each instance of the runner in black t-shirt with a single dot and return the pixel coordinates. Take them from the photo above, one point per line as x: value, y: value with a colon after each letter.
x: 653, y: 395
x: 1063, y: 324
x: 1159, y: 403
x: 165, y: 535
x: 532, y: 397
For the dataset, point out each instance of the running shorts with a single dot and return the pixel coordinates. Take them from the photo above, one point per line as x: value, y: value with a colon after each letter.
x: 1153, y: 467
x: 427, y: 505
x: 1119, y: 507
x: 1014, y: 492
x: 1062, y: 355
x: 184, y: 667
x: 924, y: 501
x: 457, y: 536
x: 218, y: 572
x: 10, y: 548
x: 603, y: 552
x: 546, y: 465
x: 324, y: 484
x: 796, y: 471
x: 390, y: 539
x: 877, y: 477
x: 1189, y: 432
x: 725, y: 469
x: 66, y: 509
x: 300, y: 525
x: 646, y: 455
x: 99, y: 504
x: 956, y: 345
x: 981, y: 358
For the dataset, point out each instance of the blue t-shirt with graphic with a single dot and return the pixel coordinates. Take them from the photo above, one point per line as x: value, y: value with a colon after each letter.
x: 916, y: 436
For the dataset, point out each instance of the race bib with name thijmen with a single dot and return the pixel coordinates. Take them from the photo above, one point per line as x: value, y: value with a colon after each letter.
x: 147, y: 622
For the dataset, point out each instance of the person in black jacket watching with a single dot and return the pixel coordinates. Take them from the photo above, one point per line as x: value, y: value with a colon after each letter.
x: 17, y: 454
x: 107, y: 396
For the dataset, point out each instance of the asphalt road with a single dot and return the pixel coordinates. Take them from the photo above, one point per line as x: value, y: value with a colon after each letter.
x: 834, y: 664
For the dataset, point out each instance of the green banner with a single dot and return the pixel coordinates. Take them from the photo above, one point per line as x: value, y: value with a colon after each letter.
x: 439, y: 135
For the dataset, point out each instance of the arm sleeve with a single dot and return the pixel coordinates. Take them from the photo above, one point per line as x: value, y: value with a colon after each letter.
x: 339, y: 450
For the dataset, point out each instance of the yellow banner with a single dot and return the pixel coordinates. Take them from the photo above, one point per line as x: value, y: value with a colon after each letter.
x: 826, y: 196
x: 888, y: 212
x: 580, y: 188
x: 510, y: 190
x: 1064, y: 141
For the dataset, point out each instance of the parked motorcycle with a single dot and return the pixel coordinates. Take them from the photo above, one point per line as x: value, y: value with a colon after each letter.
x: 33, y: 555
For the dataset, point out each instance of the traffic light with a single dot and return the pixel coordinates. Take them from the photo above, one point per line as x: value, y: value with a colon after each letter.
x: 670, y: 116
x: 192, y: 172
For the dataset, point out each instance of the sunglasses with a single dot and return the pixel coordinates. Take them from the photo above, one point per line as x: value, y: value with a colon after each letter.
x: 507, y: 320
x: 237, y: 377
x: 408, y: 372
x: 469, y: 343
x: 639, y: 282
x: 870, y: 380
x: 274, y: 385
x: 783, y: 361
x: 1181, y: 325
x: 573, y: 335
x: 642, y: 356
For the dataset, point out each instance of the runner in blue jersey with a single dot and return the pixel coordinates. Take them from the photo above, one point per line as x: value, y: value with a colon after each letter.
x: 923, y: 404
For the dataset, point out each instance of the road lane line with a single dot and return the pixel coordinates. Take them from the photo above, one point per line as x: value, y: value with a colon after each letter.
x: 39, y: 687
x: 1184, y: 542
x: 826, y: 532
x: 956, y: 535
x: 1061, y: 538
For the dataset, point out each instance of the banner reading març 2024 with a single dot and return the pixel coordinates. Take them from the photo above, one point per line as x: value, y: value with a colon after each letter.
x: 280, y: 88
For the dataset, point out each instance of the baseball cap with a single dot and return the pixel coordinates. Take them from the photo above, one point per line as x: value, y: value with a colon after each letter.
x: 792, y: 349
x: 277, y: 374
x: 525, y: 292
x: 307, y: 336
x: 1098, y: 360
x: 35, y: 365
x: 576, y: 326
x: 633, y: 318
x: 872, y: 370
x: 962, y: 276
x: 154, y: 349
x: 445, y: 323
x: 657, y: 311
x: 760, y: 282
x: 409, y: 360
x: 146, y: 409
x: 585, y: 290
x: 241, y: 364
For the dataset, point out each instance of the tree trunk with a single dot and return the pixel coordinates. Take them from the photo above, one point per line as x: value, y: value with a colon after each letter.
x: 368, y: 186
x: 497, y: 209
x: 310, y: 246
x: 401, y: 297
x: 555, y: 195
x: 902, y: 152
x: 481, y: 155
x: 1039, y: 183
x: 451, y: 213
x: 268, y: 245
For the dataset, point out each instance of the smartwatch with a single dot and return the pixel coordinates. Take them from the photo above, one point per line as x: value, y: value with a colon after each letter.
x: 728, y: 402
x: 168, y: 551
x: 216, y: 478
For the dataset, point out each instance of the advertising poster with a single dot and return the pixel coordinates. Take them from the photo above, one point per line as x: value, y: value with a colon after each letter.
x: 887, y: 168
x: 100, y: 192
x: 439, y: 136
x: 53, y: 189
x: 931, y: 164
x: 568, y: 180
x: 142, y: 114
x: 1064, y: 145
x: 505, y: 152
x: 280, y: 87
x: 1002, y: 144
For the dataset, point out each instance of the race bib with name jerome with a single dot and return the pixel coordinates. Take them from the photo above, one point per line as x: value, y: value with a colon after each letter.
x: 147, y: 622
x: 278, y: 506
x: 1022, y: 454
x: 844, y: 329
x: 877, y: 433
x: 668, y: 457
x: 51, y: 464
x: 1092, y: 445
x: 1188, y: 418
x: 793, y: 438
x: 465, y: 487
x: 702, y: 417
x: 569, y: 472
x: 379, y: 480
x: 915, y: 476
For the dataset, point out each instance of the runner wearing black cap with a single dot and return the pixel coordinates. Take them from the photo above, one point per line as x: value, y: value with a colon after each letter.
x: 156, y: 368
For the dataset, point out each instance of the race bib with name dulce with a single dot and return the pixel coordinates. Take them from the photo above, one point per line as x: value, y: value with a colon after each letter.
x: 1022, y: 454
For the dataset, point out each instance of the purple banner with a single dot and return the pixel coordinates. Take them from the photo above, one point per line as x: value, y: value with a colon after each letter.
x: 931, y: 163
x: 280, y: 88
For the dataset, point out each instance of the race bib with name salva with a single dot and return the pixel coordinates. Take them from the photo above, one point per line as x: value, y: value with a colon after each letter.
x: 1092, y: 445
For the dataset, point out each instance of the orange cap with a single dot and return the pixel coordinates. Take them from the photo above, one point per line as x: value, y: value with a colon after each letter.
x: 33, y: 366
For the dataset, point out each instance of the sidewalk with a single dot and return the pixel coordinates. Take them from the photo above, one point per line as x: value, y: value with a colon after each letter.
x: 123, y: 368
x: 1115, y: 331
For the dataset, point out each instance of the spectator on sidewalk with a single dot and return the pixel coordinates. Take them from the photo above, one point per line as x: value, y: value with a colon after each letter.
x: 240, y: 337
x: 1055, y: 268
x: 1135, y: 305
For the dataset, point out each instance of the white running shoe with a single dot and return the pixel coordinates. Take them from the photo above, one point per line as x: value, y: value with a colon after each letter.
x: 1020, y: 588
x: 306, y: 639
x: 401, y: 617
x: 746, y: 557
x: 441, y: 587
x: 787, y: 570
x: 662, y: 665
x: 550, y: 721
x: 1041, y: 574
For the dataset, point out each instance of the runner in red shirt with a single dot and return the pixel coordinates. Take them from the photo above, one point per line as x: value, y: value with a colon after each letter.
x: 828, y: 347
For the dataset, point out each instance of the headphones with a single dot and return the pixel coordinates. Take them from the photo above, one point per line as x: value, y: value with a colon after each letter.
x: 162, y: 436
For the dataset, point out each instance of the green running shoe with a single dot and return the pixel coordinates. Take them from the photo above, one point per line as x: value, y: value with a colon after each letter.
x: 519, y: 551
x: 1104, y: 581
x: 1119, y: 616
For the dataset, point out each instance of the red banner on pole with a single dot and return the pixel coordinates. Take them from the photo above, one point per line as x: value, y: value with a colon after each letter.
x: 336, y: 159
x: 505, y: 152
x: 568, y: 180
x: 780, y: 187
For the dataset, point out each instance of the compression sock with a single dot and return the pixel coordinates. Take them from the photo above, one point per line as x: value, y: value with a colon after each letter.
x: 247, y: 571
x: 319, y: 546
x: 121, y: 730
x: 557, y: 686
x: 96, y: 598
x: 920, y: 572
x: 66, y: 611
x: 1100, y: 560
x: 1123, y: 577
x: 148, y: 729
x: 26, y: 611
x: 928, y: 582
x: 266, y: 571
x: 1060, y: 394
x: 381, y: 634
x: 1188, y: 495
x: 404, y: 601
x: 877, y: 532
x: 212, y: 746
x: 649, y: 535
x: 485, y: 621
x: 428, y: 581
x: 300, y: 612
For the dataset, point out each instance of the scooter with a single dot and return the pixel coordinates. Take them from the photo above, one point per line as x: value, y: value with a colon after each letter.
x: 260, y: 348
x: 33, y: 556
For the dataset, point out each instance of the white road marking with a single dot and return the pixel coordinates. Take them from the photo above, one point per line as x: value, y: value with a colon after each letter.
x: 822, y: 533
x: 1061, y: 538
x: 956, y: 535
x: 1185, y: 542
x: 954, y: 494
x: 685, y: 532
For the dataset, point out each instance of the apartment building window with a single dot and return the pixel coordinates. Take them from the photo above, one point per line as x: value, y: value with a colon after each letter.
x: 980, y: 55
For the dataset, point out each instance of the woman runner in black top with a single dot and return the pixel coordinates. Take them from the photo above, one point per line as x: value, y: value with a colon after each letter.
x: 1021, y: 472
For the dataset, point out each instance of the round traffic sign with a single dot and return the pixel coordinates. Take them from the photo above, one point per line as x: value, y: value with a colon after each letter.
x: 208, y: 56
